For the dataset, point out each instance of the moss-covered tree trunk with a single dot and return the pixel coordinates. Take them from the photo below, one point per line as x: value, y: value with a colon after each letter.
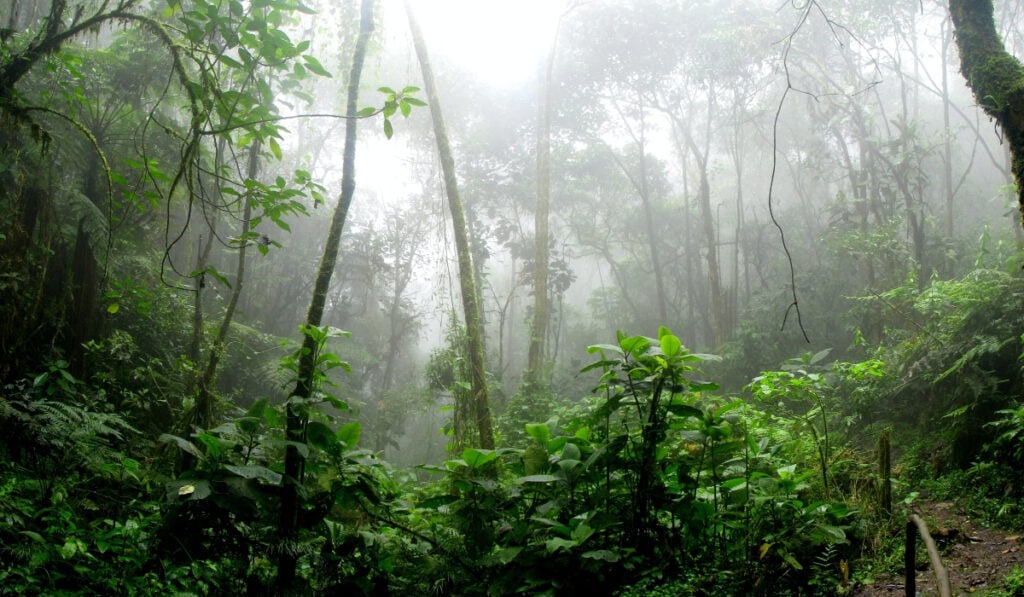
x: 297, y: 417
x: 994, y: 75
x: 467, y: 281
x: 535, y: 366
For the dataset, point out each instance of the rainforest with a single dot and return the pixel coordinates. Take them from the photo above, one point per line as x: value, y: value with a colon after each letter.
x: 491, y: 297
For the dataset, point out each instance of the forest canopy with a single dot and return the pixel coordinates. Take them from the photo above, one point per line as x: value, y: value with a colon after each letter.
x: 493, y: 298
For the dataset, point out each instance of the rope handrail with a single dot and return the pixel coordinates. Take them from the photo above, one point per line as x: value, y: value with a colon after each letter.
x: 909, y: 558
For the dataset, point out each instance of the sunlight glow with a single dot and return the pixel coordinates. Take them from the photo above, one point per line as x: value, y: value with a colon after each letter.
x: 501, y: 42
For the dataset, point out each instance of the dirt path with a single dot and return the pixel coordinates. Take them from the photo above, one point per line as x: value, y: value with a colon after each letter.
x: 977, y: 558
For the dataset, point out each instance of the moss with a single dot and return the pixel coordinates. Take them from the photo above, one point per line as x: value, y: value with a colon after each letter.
x: 999, y: 80
x: 995, y: 76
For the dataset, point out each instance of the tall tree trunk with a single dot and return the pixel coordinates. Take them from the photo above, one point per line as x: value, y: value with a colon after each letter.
x: 994, y: 75
x: 947, y: 139
x: 535, y: 369
x: 708, y: 226
x: 296, y: 419
x: 640, y: 184
x: 652, y: 237
x: 202, y: 258
x: 467, y: 281
x: 203, y: 417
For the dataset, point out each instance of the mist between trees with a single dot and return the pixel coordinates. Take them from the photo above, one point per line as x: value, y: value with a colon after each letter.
x: 628, y: 287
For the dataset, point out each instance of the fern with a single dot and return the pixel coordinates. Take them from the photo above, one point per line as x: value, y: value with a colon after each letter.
x: 77, y: 209
x: 44, y: 428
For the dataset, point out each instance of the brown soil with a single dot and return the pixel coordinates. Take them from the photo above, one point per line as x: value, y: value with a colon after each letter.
x: 976, y: 558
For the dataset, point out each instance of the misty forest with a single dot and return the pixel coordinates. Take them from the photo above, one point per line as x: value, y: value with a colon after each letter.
x: 492, y: 297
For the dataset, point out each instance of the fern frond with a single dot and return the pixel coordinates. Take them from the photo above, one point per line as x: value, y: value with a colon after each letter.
x: 77, y: 209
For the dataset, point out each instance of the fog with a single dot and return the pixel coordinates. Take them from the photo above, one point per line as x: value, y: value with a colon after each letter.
x: 749, y: 174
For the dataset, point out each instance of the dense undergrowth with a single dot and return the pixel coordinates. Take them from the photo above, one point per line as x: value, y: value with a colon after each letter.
x: 654, y: 471
x: 655, y: 483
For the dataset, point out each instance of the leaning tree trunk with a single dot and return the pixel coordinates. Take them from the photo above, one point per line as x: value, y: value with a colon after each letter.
x: 295, y: 427
x: 994, y: 75
x: 203, y: 415
x: 467, y: 281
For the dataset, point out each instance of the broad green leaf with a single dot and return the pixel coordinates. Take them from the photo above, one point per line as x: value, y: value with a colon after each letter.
x: 216, y: 275
x: 582, y: 533
x: 275, y: 148
x: 599, y: 365
x: 684, y: 410
x: 248, y: 425
x: 247, y: 488
x: 314, y: 65
x: 188, y: 489
x: 215, y: 446
x: 70, y: 548
x: 696, y: 356
x: 635, y: 345
x: 507, y: 554
x: 228, y: 60
x: 437, y: 501
x: 255, y: 472
x: 670, y: 345
x: 389, y: 130
x: 349, y: 434
x: 735, y: 484
x: 320, y: 435
x: 703, y: 387
x: 256, y: 410
x: 818, y: 356
x: 537, y: 479
x: 557, y: 543
x: 182, y: 443
x: 476, y: 458
x: 833, y: 532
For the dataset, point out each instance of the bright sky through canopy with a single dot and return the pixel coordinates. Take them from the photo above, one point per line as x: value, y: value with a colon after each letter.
x: 502, y: 42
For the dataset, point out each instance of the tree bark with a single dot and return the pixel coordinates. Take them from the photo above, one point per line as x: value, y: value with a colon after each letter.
x: 204, y: 397
x: 708, y: 226
x: 536, y: 377
x: 467, y: 281
x: 295, y: 427
x: 994, y: 75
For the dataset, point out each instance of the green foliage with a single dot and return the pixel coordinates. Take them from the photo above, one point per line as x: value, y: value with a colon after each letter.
x: 72, y: 501
x: 394, y: 101
x: 950, y: 368
x: 657, y: 479
x: 1013, y: 583
x: 1010, y: 442
x: 51, y: 423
